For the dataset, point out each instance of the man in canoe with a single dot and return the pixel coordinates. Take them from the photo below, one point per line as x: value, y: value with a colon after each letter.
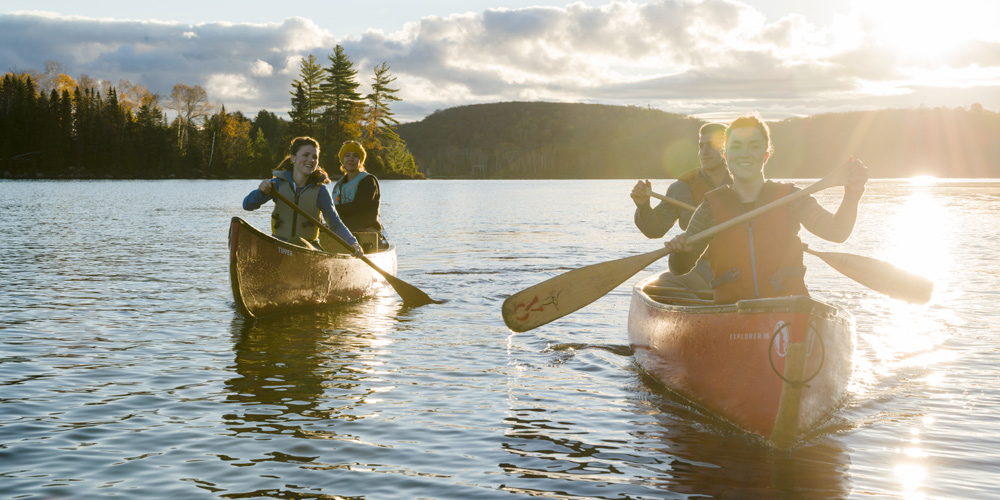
x: 689, y: 188
x: 300, y: 178
x: 763, y: 257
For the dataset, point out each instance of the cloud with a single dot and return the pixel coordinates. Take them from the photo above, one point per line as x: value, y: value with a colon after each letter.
x: 678, y: 55
x: 261, y: 68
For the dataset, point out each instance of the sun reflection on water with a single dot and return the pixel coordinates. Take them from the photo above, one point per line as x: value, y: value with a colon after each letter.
x: 904, y: 335
x: 920, y: 235
x: 906, y: 341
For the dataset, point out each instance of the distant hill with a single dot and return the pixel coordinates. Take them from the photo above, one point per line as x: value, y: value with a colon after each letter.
x: 589, y: 141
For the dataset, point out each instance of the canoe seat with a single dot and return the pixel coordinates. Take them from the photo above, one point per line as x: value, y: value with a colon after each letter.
x: 370, y: 241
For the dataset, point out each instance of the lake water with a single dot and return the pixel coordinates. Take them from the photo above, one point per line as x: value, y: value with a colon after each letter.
x: 125, y: 370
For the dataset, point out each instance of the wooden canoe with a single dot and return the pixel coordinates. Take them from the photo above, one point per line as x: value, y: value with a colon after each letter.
x: 272, y: 276
x: 775, y: 367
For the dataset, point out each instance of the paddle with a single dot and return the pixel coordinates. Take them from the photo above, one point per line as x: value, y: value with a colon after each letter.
x: 411, y: 295
x: 568, y: 292
x: 878, y: 275
x: 676, y: 203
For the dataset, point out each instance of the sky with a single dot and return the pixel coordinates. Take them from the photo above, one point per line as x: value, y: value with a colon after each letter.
x: 714, y: 59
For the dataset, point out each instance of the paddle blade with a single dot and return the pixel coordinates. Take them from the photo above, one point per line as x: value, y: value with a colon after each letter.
x: 568, y: 292
x: 411, y: 295
x: 880, y: 276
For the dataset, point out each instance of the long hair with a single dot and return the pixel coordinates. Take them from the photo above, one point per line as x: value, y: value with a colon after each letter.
x: 319, y: 176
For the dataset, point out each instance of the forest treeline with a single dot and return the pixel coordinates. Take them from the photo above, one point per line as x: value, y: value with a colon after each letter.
x: 55, y: 126
x: 562, y: 141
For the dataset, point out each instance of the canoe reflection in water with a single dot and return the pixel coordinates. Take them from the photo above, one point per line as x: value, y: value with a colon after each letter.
x: 670, y: 445
x: 305, y: 369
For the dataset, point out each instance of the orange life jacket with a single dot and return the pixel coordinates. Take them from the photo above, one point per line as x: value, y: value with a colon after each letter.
x: 760, y: 258
x: 699, y: 184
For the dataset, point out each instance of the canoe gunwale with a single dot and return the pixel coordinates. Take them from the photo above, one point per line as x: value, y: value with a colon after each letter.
x: 793, y: 304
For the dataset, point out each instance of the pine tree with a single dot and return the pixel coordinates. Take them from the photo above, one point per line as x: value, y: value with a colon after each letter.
x: 300, y: 112
x: 381, y: 124
x: 341, y: 91
x: 312, y: 99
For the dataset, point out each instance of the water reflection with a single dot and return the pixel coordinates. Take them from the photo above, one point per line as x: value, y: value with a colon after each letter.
x: 905, y: 354
x: 669, y: 446
x: 911, y: 246
x: 308, y: 366
x: 708, y: 457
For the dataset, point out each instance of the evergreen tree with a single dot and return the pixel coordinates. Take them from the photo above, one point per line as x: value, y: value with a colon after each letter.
x: 312, y: 99
x: 381, y: 123
x: 260, y: 155
x: 341, y: 91
x: 300, y: 113
x: 273, y: 130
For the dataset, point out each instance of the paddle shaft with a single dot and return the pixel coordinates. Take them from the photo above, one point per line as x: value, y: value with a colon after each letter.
x: 570, y: 291
x: 410, y: 294
x: 676, y: 203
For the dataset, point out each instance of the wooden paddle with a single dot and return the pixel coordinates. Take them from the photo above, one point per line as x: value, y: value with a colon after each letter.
x: 411, y: 295
x: 676, y: 203
x: 568, y: 292
x: 879, y: 275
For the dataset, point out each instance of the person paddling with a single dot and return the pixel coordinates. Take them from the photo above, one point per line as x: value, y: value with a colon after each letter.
x: 689, y: 188
x: 300, y: 178
x: 763, y: 257
x: 356, y: 194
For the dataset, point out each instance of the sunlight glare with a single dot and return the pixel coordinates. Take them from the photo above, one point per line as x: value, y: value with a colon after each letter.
x: 927, y: 30
x: 911, y: 477
x: 911, y: 247
x: 922, y: 180
x: 908, y: 334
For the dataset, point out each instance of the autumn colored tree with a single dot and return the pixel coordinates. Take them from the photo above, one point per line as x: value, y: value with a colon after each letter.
x: 191, y: 104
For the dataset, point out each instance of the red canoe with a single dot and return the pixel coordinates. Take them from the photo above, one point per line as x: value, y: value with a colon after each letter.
x: 775, y: 367
x: 271, y: 276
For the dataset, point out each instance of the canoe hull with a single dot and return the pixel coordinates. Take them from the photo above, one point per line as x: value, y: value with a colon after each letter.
x: 774, y: 367
x: 270, y: 276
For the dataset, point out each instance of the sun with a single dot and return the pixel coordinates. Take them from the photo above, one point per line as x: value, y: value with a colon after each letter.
x: 928, y: 30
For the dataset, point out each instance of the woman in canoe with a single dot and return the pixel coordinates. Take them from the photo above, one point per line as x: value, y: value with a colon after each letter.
x: 300, y: 178
x: 762, y: 258
x: 356, y: 194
